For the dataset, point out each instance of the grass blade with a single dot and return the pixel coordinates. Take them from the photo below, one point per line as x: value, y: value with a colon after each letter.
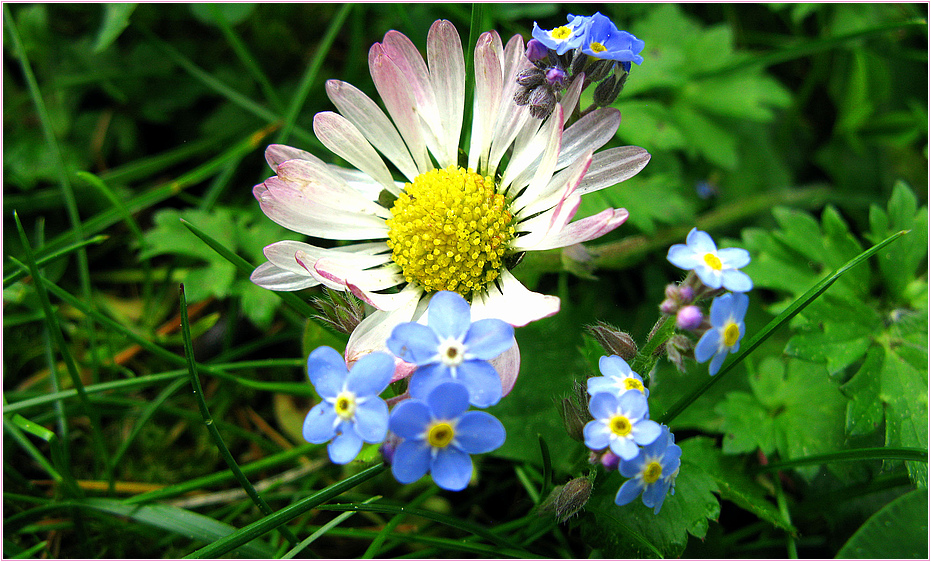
x: 879, y: 453
x: 323, y: 530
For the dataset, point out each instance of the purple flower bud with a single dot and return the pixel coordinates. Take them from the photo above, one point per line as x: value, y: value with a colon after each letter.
x: 689, y: 317
x: 556, y: 76
x: 536, y: 50
x: 672, y: 291
x: 686, y: 293
x: 668, y: 307
x: 609, y: 460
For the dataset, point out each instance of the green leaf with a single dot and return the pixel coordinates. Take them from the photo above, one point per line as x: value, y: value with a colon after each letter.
x: 176, y: 520
x: 705, y: 136
x: 733, y: 483
x: 838, y: 333
x: 898, y: 530
x: 904, y: 392
x: 899, y: 263
x: 633, y: 531
x: 794, y: 410
x: 651, y: 125
x: 234, y: 13
x: 115, y: 20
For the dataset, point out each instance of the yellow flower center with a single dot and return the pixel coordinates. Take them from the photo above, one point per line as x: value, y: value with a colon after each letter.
x: 440, y: 434
x: 620, y: 425
x: 731, y: 334
x: 597, y: 47
x: 449, y: 231
x: 561, y: 33
x: 632, y: 383
x: 652, y: 472
x: 345, y: 405
x: 713, y: 261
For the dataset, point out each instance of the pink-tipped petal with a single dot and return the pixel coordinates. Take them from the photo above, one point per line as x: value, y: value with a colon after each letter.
x: 488, y: 84
x: 385, y: 301
x: 564, y: 182
x: 270, y: 276
x: 447, y: 75
x: 396, y: 94
x: 534, y: 157
x: 571, y: 98
x: 508, y: 366
x: 343, y: 138
x: 588, y: 133
x: 372, y: 122
x: 612, y: 166
x: 368, y: 279
x: 319, y: 184
x: 277, y: 154
x: 583, y: 230
x: 513, y: 302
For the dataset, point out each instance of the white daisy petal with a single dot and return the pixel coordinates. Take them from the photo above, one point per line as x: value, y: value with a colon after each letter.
x: 583, y: 230
x: 372, y: 333
x: 276, y: 154
x: 488, y: 84
x: 295, y: 211
x: 368, y: 279
x: 447, y: 75
x: 270, y: 276
x: 342, y: 137
x: 319, y: 184
x: 588, y: 133
x: 566, y: 181
x: 513, y: 302
x: 372, y: 122
x: 613, y: 166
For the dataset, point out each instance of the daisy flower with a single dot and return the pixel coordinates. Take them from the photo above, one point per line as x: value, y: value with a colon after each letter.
x: 455, y: 222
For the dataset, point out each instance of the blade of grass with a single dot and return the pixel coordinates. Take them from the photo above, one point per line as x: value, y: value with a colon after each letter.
x: 12, y: 427
x: 303, y: 308
x: 121, y: 209
x: 373, y: 547
x: 761, y: 336
x: 32, y: 551
x: 54, y: 328
x: 475, y: 29
x: 45, y: 257
x: 453, y: 522
x: 282, y: 516
x: 323, y: 530
x: 224, y: 90
x: 162, y: 192
x: 245, y: 57
x: 310, y: 76
x: 211, y: 427
x: 878, y: 453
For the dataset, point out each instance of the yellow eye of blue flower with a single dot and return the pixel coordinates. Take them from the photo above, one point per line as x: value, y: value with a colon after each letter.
x: 652, y: 472
x: 440, y: 435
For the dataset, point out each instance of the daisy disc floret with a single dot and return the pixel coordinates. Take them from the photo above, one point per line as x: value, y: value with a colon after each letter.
x: 621, y: 423
x: 652, y: 472
x: 452, y: 347
x: 617, y: 377
x: 727, y: 329
x: 351, y: 411
x: 417, y: 217
x: 716, y: 268
x: 439, y: 435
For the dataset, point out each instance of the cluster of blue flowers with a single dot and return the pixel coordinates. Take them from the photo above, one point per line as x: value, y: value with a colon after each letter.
x: 433, y: 430
x: 592, y: 45
x: 712, y: 271
x: 622, y: 435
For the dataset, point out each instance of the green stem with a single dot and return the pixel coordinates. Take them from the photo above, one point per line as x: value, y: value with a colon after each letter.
x: 212, y: 429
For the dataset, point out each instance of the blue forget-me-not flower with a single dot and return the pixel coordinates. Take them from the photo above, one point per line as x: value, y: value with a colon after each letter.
x: 716, y: 268
x: 439, y: 435
x: 621, y: 423
x: 727, y: 327
x: 617, y: 377
x: 652, y: 472
x: 452, y: 347
x: 351, y: 410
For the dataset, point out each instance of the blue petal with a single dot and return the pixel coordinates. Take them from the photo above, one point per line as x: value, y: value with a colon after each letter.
x: 320, y: 423
x: 451, y: 469
x: 409, y: 419
x: 371, y: 420
x: 624, y: 448
x: 709, y: 276
x: 700, y: 242
x: 734, y: 258
x: 449, y: 315
x: 683, y: 257
x: 739, y: 308
x: 482, y: 381
x: 425, y: 379
x: 708, y: 345
x: 448, y: 400
x: 411, y: 461
x: 603, y: 405
x: 634, y: 404
x: 326, y: 369
x: 371, y: 374
x: 596, y: 435
x: 344, y: 446
x: 602, y: 384
x: 736, y: 281
x: 489, y: 338
x: 632, y: 467
x: 479, y: 432
x: 716, y: 363
x: 722, y: 309
x: 414, y: 343
x: 646, y: 432
x: 614, y: 366
x: 654, y: 494
x: 629, y: 491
